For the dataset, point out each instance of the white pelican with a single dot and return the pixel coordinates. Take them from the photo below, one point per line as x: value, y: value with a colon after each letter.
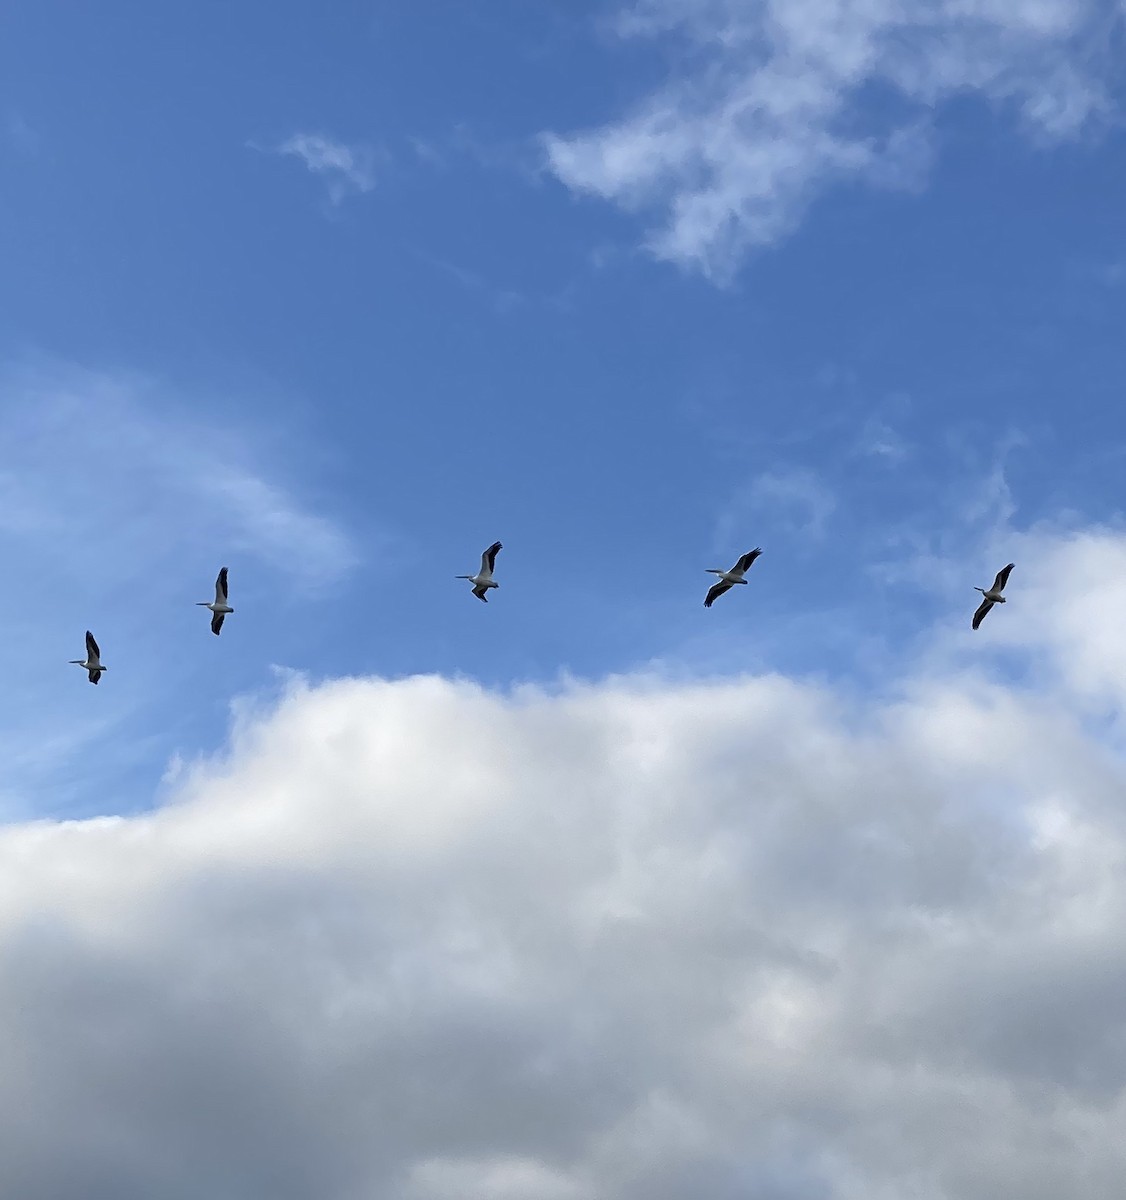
x: 728, y: 579
x: 483, y: 580
x: 993, y: 596
x: 93, y: 659
x: 219, y: 607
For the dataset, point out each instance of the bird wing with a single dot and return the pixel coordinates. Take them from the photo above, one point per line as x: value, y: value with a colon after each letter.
x: 489, y: 559
x: 217, y: 623
x: 221, y: 587
x: 744, y: 563
x: 93, y: 654
x: 482, y: 593
x: 982, y: 609
x: 94, y: 676
x: 715, y: 591
x: 1002, y: 578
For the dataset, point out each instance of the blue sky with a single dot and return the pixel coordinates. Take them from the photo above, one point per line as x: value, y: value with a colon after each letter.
x: 461, y: 337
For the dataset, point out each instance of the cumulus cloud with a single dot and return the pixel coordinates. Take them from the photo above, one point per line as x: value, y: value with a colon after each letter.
x: 771, y: 102
x: 346, y: 169
x: 419, y: 940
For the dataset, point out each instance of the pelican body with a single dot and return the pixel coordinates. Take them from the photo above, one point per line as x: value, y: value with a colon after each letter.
x: 484, y: 580
x: 728, y: 579
x: 92, y: 663
x: 219, y: 606
x: 993, y: 596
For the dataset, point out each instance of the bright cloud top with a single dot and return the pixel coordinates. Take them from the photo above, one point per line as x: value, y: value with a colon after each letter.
x: 418, y: 940
x: 771, y: 102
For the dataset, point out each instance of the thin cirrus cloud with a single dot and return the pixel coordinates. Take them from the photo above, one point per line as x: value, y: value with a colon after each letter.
x: 768, y: 106
x: 421, y: 940
x: 794, y: 499
x: 796, y: 495
x: 346, y: 170
x: 116, y: 465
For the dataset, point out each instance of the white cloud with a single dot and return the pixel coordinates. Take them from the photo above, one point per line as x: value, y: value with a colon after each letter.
x: 418, y: 940
x: 770, y: 104
x: 346, y: 169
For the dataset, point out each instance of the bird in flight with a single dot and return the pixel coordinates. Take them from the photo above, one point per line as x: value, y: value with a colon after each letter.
x: 993, y: 596
x: 93, y: 659
x: 219, y: 607
x: 728, y: 579
x: 483, y: 580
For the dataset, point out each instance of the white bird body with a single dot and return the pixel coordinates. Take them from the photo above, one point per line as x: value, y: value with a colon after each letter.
x: 993, y: 595
x: 92, y: 663
x: 728, y: 579
x: 219, y: 606
x: 484, y: 580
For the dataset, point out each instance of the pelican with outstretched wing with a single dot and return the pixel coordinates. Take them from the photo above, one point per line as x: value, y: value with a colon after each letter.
x: 219, y: 606
x: 728, y: 579
x: 484, y: 580
x: 93, y: 660
x: 993, y: 596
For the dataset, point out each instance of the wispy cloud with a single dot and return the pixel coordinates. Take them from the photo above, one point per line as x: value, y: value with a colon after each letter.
x: 269, y: 522
x: 503, y: 299
x: 792, y: 498
x: 346, y: 169
x: 96, y: 453
x: 879, y: 440
x: 774, y: 105
x: 463, y: 145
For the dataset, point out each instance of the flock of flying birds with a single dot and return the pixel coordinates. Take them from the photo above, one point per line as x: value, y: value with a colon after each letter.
x: 92, y: 663
x: 484, y: 580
